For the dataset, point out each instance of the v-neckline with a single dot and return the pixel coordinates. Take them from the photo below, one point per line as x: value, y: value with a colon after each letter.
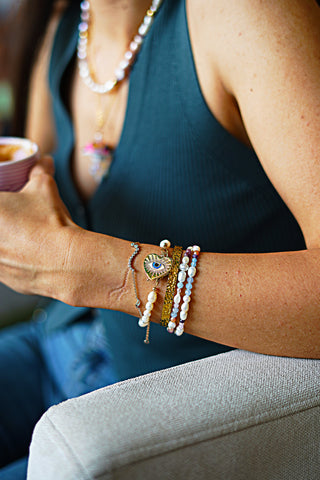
x: 87, y: 202
x: 136, y: 91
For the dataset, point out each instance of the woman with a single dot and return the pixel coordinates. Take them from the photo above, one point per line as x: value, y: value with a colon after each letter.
x: 211, y: 138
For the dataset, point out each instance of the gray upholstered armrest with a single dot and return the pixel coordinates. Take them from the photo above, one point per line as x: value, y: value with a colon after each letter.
x: 238, y: 415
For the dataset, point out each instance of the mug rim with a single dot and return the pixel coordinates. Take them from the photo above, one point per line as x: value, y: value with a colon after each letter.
x: 20, y: 140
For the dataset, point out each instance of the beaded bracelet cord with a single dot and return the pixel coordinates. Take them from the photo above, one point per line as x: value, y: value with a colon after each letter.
x: 191, y: 253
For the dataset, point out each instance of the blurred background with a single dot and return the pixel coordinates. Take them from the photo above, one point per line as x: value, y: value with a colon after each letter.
x: 6, y: 100
x: 13, y: 307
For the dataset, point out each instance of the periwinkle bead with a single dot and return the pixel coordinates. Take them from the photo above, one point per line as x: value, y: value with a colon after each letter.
x: 180, y: 285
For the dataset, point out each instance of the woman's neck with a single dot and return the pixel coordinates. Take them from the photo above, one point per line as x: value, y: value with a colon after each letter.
x: 117, y: 19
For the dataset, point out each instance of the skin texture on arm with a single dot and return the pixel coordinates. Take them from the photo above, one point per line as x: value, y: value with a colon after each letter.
x: 263, y: 59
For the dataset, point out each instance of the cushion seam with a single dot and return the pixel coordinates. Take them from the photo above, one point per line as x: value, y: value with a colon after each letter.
x: 190, y: 439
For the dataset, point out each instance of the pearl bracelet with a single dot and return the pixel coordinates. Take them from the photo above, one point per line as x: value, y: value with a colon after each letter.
x: 191, y: 252
x: 183, y: 267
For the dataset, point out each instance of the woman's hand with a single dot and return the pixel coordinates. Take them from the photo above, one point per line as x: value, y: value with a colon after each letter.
x: 34, y: 242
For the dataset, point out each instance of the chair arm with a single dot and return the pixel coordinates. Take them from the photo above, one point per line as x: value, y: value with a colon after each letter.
x: 237, y: 415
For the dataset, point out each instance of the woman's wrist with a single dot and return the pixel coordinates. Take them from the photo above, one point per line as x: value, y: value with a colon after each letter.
x: 95, y: 272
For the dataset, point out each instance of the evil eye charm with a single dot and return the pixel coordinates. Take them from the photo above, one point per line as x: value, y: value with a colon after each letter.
x: 156, y: 266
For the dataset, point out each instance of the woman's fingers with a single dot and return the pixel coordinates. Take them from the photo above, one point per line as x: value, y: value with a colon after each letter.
x: 44, y: 165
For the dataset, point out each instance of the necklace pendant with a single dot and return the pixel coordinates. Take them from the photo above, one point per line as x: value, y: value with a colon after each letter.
x: 100, y: 158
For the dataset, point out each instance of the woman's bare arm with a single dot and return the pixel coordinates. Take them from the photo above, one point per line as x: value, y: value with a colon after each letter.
x: 268, y: 303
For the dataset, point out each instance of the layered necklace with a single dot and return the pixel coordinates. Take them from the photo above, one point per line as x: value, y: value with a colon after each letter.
x: 98, y: 151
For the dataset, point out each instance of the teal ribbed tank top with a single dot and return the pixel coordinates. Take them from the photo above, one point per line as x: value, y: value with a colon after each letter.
x: 177, y: 174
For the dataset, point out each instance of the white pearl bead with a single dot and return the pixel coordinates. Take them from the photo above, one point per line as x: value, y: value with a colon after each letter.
x: 143, y: 29
x: 183, y: 315
x: 179, y: 330
x: 85, y: 5
x: 146, y: 314
x: 185, y: 260
x: 192, y: 271
x: 182, y: 276
x: 149, y: 306
x: 128, y: 55
x: 81, y: 54
x: 138, y: 39
x: 133, y: 46
x: 195, y: 248
x: 165, y: 244
x: 185, y: 307
x: 124, y: 64
x: 119, y: 73
x: 152, y: 297
x: 171, y: 324
x: 183, y: 267
x: 177, y: 298
x: 142, y: 323
x: 186, y: 299
x: 109, y: 85
x: 147, y: 20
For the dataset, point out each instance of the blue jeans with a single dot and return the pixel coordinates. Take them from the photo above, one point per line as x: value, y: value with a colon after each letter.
x: 37, y: 371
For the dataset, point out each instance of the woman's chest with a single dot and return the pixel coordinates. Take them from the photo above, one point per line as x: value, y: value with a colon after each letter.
x: 97, y: 119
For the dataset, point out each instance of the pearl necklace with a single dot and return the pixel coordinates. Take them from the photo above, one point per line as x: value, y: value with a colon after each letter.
x: 122, y: 71
x: 98, y: 152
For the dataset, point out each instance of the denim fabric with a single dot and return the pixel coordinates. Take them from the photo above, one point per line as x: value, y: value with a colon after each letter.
x: 15, y: 471
x: 22, y: 375
x: 39, y: 370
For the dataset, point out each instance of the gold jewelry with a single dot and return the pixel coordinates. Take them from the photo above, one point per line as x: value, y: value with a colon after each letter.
x: 133, y: 273
x: 99, y: 153
x: 171, y: 286
x: 156, y: 267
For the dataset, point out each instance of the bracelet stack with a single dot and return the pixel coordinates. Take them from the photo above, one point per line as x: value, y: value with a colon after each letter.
x: 181, y: 270
x: 186, y: 273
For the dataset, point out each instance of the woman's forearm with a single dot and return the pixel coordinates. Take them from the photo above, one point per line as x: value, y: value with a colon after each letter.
x: 268, y: 303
